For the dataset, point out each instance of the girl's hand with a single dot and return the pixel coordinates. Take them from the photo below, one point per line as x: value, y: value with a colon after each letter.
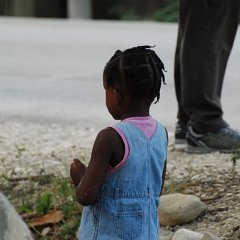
x: 77, y: 170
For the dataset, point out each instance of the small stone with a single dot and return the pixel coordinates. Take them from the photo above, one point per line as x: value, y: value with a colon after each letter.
x: 165, y: 234
x: 185, y: 234
x: 209, y: 236
x: 45, y: 231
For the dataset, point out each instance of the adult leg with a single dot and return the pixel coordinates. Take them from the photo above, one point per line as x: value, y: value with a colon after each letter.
x: 182, y: 115
x: 206, y: 33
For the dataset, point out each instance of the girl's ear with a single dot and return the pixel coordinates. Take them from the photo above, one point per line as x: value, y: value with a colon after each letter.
x: 119, y: 95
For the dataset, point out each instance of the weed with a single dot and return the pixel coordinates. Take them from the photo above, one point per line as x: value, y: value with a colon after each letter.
x: 235, y: 156
x: 173, y: 185
x: 44, y: 203
x: 20, y: 150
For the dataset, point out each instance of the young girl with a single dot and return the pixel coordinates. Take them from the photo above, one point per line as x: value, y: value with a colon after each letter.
x: 122, y: 184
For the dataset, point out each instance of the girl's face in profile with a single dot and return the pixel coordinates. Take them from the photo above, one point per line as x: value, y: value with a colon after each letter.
x: 112, y: 101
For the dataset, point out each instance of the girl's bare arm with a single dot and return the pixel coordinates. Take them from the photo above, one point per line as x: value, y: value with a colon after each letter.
x: 105, y: 147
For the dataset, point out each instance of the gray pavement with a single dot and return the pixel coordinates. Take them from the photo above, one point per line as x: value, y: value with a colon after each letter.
x: 51, y: 70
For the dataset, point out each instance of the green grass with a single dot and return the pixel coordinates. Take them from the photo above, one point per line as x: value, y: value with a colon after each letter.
x: 167, y: 13
x: 37, y: 197
x: 235, y: 157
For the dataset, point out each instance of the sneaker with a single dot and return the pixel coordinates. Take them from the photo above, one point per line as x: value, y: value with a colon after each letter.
x: 180, y: 136
x: 225, y: 140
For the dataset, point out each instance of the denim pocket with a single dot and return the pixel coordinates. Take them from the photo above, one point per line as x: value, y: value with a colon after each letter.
x: 128, y: 225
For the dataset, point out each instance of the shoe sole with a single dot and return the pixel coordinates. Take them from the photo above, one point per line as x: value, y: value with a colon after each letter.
x: 180, y: 144
x: 203, y: 150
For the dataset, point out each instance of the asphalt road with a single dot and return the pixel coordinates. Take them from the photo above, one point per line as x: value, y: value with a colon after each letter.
x: 51, y: 70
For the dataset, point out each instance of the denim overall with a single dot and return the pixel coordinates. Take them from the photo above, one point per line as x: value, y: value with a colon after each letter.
x: 127, y: 205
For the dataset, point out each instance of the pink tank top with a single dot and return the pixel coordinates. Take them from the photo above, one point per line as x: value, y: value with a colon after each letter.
x: 146, y: 124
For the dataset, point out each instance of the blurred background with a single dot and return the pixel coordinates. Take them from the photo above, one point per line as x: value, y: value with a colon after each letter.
x: 160, y: 10
x: 53, y: 54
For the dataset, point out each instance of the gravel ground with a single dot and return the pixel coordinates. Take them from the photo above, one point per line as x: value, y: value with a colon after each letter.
x: 27, y: 149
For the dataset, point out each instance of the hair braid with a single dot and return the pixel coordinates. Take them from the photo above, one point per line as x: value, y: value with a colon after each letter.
x: 158, y: 68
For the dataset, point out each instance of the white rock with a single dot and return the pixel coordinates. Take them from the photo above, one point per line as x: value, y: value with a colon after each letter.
x: 185, y: 234
x: 176, y: 209
x: 11, y: 225
x: 209, y: 236
x: 45, y: 231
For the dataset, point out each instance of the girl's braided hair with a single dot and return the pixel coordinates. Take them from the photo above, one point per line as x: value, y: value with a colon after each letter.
x: 139, y: 70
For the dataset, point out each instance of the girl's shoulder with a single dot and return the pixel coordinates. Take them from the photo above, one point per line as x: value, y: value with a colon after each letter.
x: 107, y: 135
x: 108, y: 139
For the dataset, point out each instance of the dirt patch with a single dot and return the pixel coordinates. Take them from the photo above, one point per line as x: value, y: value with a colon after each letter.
x: 28, y: 149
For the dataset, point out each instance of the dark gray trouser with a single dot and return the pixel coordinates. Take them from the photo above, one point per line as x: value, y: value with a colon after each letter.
x: 206, y: 33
